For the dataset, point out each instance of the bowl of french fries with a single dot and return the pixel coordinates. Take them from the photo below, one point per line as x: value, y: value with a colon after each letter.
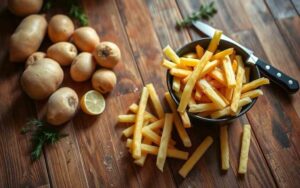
x: 209, y: 80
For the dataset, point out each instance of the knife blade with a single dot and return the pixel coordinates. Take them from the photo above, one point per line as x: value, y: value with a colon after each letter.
x: 276, y: 76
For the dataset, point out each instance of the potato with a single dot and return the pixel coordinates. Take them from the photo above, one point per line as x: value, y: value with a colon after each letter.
x: 42, y: 78
x: 107, y: 54
x: 27, y: 38
x: 62, y: 106
x: 86, y: 39
x: 25, y: 7
x: 34, y: 57
x: 60, y: 28
x: 104, y: 80
x: 62, y: 52
x: 82, y: 67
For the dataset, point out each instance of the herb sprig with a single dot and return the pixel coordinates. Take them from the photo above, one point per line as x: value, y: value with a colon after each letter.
x: 42, y: 134
x: 205, y: 12
x: 72, y: 6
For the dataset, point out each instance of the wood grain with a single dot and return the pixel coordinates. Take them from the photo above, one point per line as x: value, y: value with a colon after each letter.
x: 281, y: 8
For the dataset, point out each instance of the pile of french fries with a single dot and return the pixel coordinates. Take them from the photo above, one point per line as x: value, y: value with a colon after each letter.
x: 212, y: 83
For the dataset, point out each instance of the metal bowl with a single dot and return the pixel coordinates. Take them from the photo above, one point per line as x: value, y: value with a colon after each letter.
x: 204, y: 42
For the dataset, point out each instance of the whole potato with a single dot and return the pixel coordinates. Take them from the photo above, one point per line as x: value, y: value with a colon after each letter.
x: 42, y: 78
x: 25, y: 7
x: 62, y: 52
x: 62, y: 106
x: 107, y: 54
x: 82, y: 67
x: 27, y: 38
x: 34, y: 57
x: 86, y: 38
x: 60, y: 28
x: 104, y: 80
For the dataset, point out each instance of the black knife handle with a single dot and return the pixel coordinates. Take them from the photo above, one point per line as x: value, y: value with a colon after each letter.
x: 276, y: 76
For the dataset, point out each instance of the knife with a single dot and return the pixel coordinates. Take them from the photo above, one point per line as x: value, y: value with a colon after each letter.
x: 276, y: 76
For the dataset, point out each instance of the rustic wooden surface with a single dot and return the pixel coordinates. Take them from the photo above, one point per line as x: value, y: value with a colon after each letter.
x: 94, y: 153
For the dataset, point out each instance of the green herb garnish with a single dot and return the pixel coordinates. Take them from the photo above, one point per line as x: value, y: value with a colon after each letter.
x: 42, y: 134
x: 78, y: 13
x: 205, y: 12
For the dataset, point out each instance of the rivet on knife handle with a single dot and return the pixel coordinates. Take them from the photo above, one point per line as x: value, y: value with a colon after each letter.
x: 276, y: 76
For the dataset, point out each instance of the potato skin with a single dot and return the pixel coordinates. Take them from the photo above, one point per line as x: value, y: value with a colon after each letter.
x: 82, y: 67
x: 104, y: 80
x: 25, y: 7
x: 27, y: 38
x: 34, y: 57
x: 86, y: 39
x: 42, y: 78
x: 62, y: 106
x: 60, y: 28
x: 62, y: 52
x: 107, y: 54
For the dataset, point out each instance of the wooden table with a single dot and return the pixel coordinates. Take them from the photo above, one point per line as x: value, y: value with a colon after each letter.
x: 94, y: 153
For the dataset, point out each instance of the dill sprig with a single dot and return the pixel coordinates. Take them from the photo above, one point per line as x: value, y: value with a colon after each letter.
x: 205, y: 12
x: 42, y: 134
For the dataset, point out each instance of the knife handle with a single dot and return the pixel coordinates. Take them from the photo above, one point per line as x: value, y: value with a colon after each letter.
x: 276, y: 76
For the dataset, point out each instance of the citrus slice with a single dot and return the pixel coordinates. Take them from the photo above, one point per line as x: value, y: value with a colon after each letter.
x: 92, y: 102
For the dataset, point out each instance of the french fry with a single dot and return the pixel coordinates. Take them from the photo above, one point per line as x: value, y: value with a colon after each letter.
x: 229, y: 73
x: 247, y: 74
x: 156, y: 125
x: 234, y: 65
x: 252, y: 94
x: 189, y: 61
x: 205, y: 114
x: 255, y: 84
x: 198, y: 94
x: 180, y: 73
x: 187, y: 92
x: 178, y: 124
x: 232, y: 56
x: 166, y: 135
x: 215, y: 84
x: 190, y: 163
x: 222, y: 54
x: 192, y: 101
x: 134, y: 108
x: 224, y: 147
x: 204, y: 99
x: 227, y: 111
x: 239, y: 81
x: 245, y: 149
x: 171, y: 54
x: 209, y: 67
x: 213, y: 45
x: 185, y: 120
x: 178, y: 94
x: 218, y: 75
x: 176, y: 84
x: 210, y: 92
x: 168, y: 64
x: 199, y: 51
x: 155, y: 101
x: 142, y: 159
x: 196, y: 108
x: 131, y: 118
x: 191, y: 55
x: 137, y: 134
x: 222, y: 96
x: 151, y: 135
x: 228, y: 93
x: 153, y: 150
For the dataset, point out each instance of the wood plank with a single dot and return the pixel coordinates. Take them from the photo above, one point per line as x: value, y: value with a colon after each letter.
x: 16, y: 168
x: 281, y: 8
x: 275, y: 125
x: 273, y: 43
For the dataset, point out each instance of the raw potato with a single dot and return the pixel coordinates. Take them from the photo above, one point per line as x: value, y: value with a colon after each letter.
x: 60, y: 28
x: 42, y: 78
x: 25, y: 7
x: 86, y: 39
x: 82, y: 67
x: 107, y: 54
x: 34, y: 57
x: 27, y: 38
x: 104, y: 80
x: 62, y: 52
x: 62, y: 106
